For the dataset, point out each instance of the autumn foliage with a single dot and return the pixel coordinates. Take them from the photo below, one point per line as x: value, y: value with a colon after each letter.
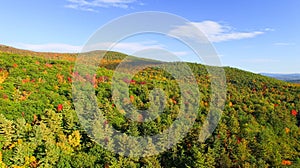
x: 60, y: 107
x: 294, y: 112
x: 39, y: 126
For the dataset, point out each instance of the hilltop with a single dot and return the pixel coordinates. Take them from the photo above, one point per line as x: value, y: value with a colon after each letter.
x: 39, y: 126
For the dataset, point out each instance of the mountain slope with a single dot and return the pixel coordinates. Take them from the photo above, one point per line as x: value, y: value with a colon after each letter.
x: 39, y: 126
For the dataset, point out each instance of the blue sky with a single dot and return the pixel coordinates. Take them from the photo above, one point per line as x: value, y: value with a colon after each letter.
x: 254, y: 35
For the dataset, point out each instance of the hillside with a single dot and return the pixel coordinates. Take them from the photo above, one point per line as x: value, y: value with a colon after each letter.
x: 39, y: 126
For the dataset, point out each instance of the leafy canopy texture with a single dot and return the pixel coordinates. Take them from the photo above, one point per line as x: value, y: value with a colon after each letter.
x: 40, y: 128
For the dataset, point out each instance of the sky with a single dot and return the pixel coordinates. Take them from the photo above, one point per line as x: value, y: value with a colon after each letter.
x: 253, y: 35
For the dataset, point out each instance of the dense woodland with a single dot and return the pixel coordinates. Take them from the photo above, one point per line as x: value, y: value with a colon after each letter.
x: 40, y: 128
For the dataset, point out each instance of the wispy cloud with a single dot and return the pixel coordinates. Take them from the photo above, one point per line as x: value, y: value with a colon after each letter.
x: 269, y: 29
x: 92, y: 5
x: 284, y: 44
x: 214, y: 31
x: 261, y: 60
x: 53, y: 47
x: 181, y: 53
x: 147, y: 49
x: 127, y: 47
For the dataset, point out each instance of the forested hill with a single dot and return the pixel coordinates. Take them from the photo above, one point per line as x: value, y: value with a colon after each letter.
x: 39, y: 126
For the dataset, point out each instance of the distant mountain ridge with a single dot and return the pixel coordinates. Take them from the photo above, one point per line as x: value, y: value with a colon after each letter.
x: 295, y: 77
x: 112, y: 55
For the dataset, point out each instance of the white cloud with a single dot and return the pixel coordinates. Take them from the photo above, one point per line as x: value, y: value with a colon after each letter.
x: 214, y: 31
x: 261, y: 60
x: 147, y: 49
x: 54, y: 47
x: 91, y: 5
x: 269, y: 29
x: 73, y: 6
x: 284, y: 44
x: 180, y: 53
x: 126, y: 47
